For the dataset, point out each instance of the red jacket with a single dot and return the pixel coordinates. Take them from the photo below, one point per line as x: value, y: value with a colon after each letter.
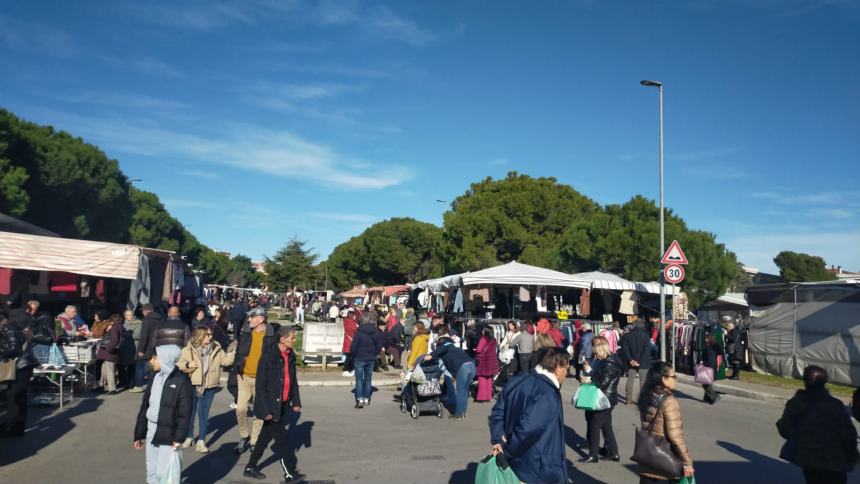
x: 556, y: 336
x: 349, y: 329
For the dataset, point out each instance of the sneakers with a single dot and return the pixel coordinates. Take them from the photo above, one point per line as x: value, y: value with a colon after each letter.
x: 348, y: 373
x: 243, y: 445
x: 253, y: 473
x: 187, y: 443
x: 136, y: 390
x: 293, y: 478
x: 201, y: 447
x: 359, y: 404
x: 366, y: 402
x: 456, y: 417
x: 233, y: 405
x: 588, y: 460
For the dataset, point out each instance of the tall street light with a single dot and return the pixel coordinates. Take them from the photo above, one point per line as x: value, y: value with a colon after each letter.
x: 659, y: 86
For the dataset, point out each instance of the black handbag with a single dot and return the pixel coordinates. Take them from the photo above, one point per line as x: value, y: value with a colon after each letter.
x: 655, y: 452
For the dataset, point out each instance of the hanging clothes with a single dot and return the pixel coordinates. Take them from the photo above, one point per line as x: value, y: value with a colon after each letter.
x: 64, y: 282
x: 540, y: 299
x: 5, y: 281
x: 524, y: 295
x: 167, y: 288
x: 484, y: 294
x: 140, y: 286
x: 628, y: 303
x: 40, y: 284
x: 611, y: 337
x: 458, y: 301
x: 585, y: 303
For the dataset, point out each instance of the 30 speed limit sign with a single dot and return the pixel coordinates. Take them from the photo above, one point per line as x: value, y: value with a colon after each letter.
x: 673, y: 274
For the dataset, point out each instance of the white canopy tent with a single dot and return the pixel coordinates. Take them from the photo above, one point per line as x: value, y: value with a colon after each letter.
x: 516, y: 274
x: 441, y: 283
x: 606, y: 280
x: 40, y: 253
x: 654, y: 288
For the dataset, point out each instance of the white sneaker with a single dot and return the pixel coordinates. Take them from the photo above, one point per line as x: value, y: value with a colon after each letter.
x: 187, y: 443
x: 233, y: 405
x: 201, y: 447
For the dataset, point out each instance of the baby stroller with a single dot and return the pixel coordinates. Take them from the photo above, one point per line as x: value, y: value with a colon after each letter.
x: 422, y: 394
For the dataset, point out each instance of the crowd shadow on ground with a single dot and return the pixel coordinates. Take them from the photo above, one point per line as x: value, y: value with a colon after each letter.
x: 755, y: 467
x: 49, y: 428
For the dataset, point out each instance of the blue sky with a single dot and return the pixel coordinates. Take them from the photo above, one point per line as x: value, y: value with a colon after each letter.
x: 258, y: 120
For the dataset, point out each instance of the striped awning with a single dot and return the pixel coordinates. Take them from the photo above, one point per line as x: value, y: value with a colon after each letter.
x: 606, y: 280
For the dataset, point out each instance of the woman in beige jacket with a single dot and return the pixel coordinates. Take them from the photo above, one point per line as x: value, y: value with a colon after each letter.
x: 202, y: 359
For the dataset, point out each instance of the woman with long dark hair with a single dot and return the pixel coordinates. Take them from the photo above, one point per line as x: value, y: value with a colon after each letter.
x: 487, y: 354
x: 658, y: 405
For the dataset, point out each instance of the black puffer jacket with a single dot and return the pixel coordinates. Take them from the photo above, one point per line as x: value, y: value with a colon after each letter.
x: 606, y: 376
x: 734, y: 345
x: 11, y: 340
x: 270, y: 383
x: 172, y: 332
x: 43, y: 328
x: 174, y: 414
x: 825, y: 437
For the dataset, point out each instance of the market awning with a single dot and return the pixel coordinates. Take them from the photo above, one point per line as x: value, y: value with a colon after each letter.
x: 55, y: 254
x: 516, y: 274
x: 654, y: 288
x: 441, y: 283
x: 606, y: 280
x: 357, y: 291
x: 734, y: 298
x: 392, y: 290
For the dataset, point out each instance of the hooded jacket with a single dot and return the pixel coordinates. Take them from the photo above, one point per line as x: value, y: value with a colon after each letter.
x: 174, y: 410
x: 366, y: 343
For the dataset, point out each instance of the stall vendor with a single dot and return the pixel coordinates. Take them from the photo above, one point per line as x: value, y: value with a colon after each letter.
x: 67, y: 321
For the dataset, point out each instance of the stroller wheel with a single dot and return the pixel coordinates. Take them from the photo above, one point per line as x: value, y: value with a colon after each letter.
x: 439, y: 411
x: 414, y: 411
x: 403, y: 406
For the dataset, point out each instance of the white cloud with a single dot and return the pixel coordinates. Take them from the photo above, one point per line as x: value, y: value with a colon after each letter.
x: 498, y: 162
x: 345, y: 217
x: 850, y: 198
x: 207, y: 175
x: 278, y: 153
x: 34, y: 37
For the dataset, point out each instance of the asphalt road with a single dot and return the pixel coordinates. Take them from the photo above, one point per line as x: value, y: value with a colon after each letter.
x: 90, y: 442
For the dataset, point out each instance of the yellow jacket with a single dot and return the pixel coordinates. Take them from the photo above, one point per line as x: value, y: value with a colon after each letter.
x: 419, y: 347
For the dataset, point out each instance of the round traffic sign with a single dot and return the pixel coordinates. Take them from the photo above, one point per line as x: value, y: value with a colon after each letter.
x: 673, y: 274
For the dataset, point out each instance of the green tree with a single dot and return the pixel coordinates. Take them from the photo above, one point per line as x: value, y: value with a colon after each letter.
x: 799, y: 267
x: 390, y: 252
x: 242, y: 272
x: 72, y: 188
x: 625, y: 239
x: 292, y: 267
x: 516, y: 218
x: 14, y: 199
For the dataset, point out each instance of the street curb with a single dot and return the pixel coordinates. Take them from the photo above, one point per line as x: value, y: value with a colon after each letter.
x: 347, y: 383
x: 738, y: 392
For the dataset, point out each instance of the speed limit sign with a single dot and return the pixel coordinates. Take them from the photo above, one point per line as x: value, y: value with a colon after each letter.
x: 673, y: 274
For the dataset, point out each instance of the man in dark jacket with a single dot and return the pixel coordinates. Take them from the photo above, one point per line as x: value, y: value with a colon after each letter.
x: 165, y: 412
x: 636, y: 354
x: 821, y: 439
x: 146, y: 343
x: 462, y: 370
x: 14, y: 345
x: 237, y: 316
x: 252, y: 341
x: 42, y: 327
x: 277, y: 396
x: 527, y: 422
x: 366, y: 344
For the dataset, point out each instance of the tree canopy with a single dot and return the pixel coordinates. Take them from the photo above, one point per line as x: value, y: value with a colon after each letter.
x: 541, y: 222
x: 292, y: 267
x: 799, y: 267
x: 516, y: 218
x: 57, y: 181
x: 391, y: 252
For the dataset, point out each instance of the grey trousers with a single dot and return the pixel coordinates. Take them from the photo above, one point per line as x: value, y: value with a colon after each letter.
x: 157, y: 456
x: 108, y: 377
x: 631, y: 382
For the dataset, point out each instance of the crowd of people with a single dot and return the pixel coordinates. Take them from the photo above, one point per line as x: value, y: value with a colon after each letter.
x: 177, y: 365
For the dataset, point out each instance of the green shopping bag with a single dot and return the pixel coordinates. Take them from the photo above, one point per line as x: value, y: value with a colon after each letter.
x: 586, y: 397
x: 494, y: 469
x: 687, y: 480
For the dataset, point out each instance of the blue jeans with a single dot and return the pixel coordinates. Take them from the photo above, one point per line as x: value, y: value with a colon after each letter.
x: 139, y: 372
x: 458, y: 395
x: 363, y: 374
x: 201, y: 406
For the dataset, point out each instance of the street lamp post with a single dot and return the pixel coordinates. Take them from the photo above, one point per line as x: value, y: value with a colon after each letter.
x: 659, y: 86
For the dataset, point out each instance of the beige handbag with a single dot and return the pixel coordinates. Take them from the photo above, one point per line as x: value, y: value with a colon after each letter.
x: 7, y: 370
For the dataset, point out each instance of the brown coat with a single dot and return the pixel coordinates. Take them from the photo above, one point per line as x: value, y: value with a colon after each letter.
x: 190, y: 363
x: 99, y: 328
x: 668, y: 424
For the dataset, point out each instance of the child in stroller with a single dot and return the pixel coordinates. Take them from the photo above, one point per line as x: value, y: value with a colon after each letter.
x: 423, y: 388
